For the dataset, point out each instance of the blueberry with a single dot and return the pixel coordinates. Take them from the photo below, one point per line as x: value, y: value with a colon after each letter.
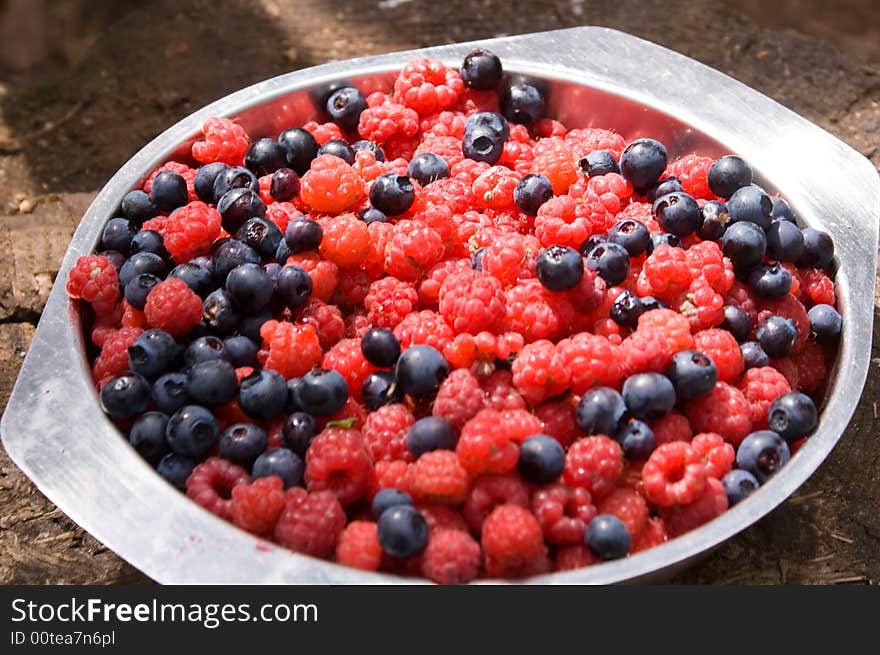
x: 372, y: 215
x: 392, y: 194
x: 632, y: 235
x: 599, y: 162
x: 523, y: 104
x: 169, y: 392
x: 402, y: 531
x: 482, y: 144
x: 197, y: 278
x: 242, y: 443
x: 818, y: 249
x: 238, y: 205
x: 205, y: 349
x: 781, y: 210
x: 379, y: 389
x: 303, y: 234
x: 477, y: 259
x: 481, y: 70
x: 285, y: 184
x: 265, y: 156
x: 762, y: 453
x: 116, y: 258
x: 142, y: 262
x: 249, y: 288
x: 338, y: 148
x: 138, y: 288
x: 282, y: 253
x: 117, y: 235
x: 785, y: 242
x: 607, y: 537
x: 147, y: 436
x: 593, y: 241
x: 420, y: 370
x: 192, y: 431
x: 282, y: 463
x: 293, y: 286
x: 387, y: 498
x: 373, y: 147
x: 233, y: 177
x: 148, y: 241
x: 137, y: 207
x: 262, y: 394
x: 153, y: 353
x: 298, y: 431
x: 431, y: 433
x: 125, y: 396
x: 559, y: 268
x: 380, y: 347
x: 427, y: 168
x: 739, y: 485
x: 610, y: 261
x: 752, y: 205
x: 212, y: 382
x: 692, y: 374
x: 770, y: 281
x: 777, y: 336
x: 541, y: 459
x: 321, y: 392
x: 345, y: 106
x: 169, y: 191
x: 648, y: 395
x: 493, y: 121
x: 744, y: 243
x: 229, y: 254
x: 650, y: 302
x: 825, y: 324
x: 205, y: 178
x: 643, y: 162
x: 636, y: 439
x: 301, y: 148
x: 626, y: 309
x: 678, y: 213
x: 662, y: 187
x: 249, y: 326
x: 728, y: 174
x: 291, y: 405
x: 242, y: 351
x: 601, y: 410
x: 260, y: 234
x: 753, y: 355
x: 714, y: 222
x: 737, y: 322
x: 664, y: 239
x: 793, y: 415
x: 176, y: 469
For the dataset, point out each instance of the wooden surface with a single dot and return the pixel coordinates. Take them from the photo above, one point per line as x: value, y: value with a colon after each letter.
x: 95, y: 92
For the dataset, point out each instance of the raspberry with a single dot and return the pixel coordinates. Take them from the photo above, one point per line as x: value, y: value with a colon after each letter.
x: 693, y: 171
x: 157, y: 224
x: 467, y: 171
x: 438, y: 477
x: 424, y: 327
x: 710, y: 504
x: 494, y: 188
x: 513, y: 543
x: 94, y: 279
x: 724, y: 410
x: 591, y: 361
x: 672, y: 427
x: 428, y: 86
x: 629, y: 507
x: 788, y: 307
x: 665, y: 274
x: 113, y: 358
x: 451, y: 557
x: 555, y: 160
x: 352, y: 287
x: 346, y: 240
x: 717, y: 454
x: 558, y: 421
x: 310, y: 523
x: 563, y: 512
x: 816, y: 286
x: 562, y: 221
x: 447, y: 124
x: 224, y: 141
x: 539, y: 371
x: 324, y: 132
x: 331, y: 185
x: 106, y: 324
x: 613, y: 190
x: 324, y: 273
x: 389, y: 301
x: 511, y: 257
x: 674, y: 474
x: 292, y: 349
x: 654, y: 534
x: 358, y: 546
x: 257, y: 506
x: 378, y: 123
x: 281, y: 213
x: 429, y: 288
x: 585, y: 141
x: 449, y: 193
x: 660, y: 334
x: 484, y: 445
x: 641, y: 211
x: 501, y: 393
x: 459, y: 398
x: 471, y: 302
x: 701, y: 304
x: 810, y: 367
x: 390, y: 475
x: 589, y: 294
x: 132, y: 317
x: 356, y: 325
x: 352, y: 414
x: 517, y: 156
x: 761, y: 386
x: 706, y: 260
x: 174, y: 307
x: 547, y: 127
x: 795, y: 280
x: 337, y: 461
x: 412, y: 249
x: 575, y: 556
x: 326, y: 319
x: 536, y: 313
x: 347, y: 358
x: 442, y: 517
x: 190, y: 231
x: 722, y: 347
x: 384, y: 433
x: 211, y: 483
x: 595, y: 464
x: 742, y: 297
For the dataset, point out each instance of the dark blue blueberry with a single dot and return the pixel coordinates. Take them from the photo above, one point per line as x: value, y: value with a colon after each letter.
x: 205, y: 178
x: 345, y: 106
x: 692, y: 374
x: 260, y: 234
x: 636, y: 439
x: 250, y: 325
x: 285, y: 184
x: 431, y: 433
x: 825, y: 324
x: 137, y: 207
x: 380, y: 347
x: 610, y: 261
x: 387, y: 498
x: 785, y: 242
x: 744, y: 243
x: 753, y: 355
x: 282, y: 463
x: 607, y: 537
x: 379, y: 389
x: 303, y: 234
x: 196, y: 277
x: 632, y: 235
x: 293, y: 286
x: 142, y: 262
x: 626, y: 309
x: 234, y: 177
x: 531, y: 192
x: 229, y: 254
x: 559, y: 268
x: 192, y: 431
x: 282, y: 253
x: 650, y: 302
x: 117, y: 235
x: 599, y: 162
x: 523, y: 104
x: 298, y: 431
x: 238, y: 205
x: 205, y: 349
x: 212, y: 382
x: 490, y: 120
x: 777, y: 336
x: 482, y: 144
x: 176, y: 469
x: 125, y: 396
x: 265, y: 156
x: 737, y: 322
x: 153, y: 353
x: 477, y: 259
x: 601, y: 410
x: 664, y: 186
x: 321, y: 392
x: 593, y: 241
x: 301, y: 148
x: 643, y: 162
x: 249, y: 287
x: 402, y: 531
x: 541, y: 459
x: 664, y: 239
x: 762, y: 453
x: 420, y: 370
x: 371, y: 146
x: 648, y: 395
x: 147, y: 436
x: 714, y: 222
x: 781, y: 210
x: 138, y: 288
x: 750, y: 204
x: 116, y: 258
x: 818, y: 249
x: 262, y: 394
x: 372, y: 215
x: 291, y: 405
x: 770, y: 281
x: 169, y: 392
x: 392, y: 194
x: 482, y: 70
x: 739, y: 485
x: 427, y: 168
x: 242, y: 443
x: 728, y: 174
x: 678, y: 213
x: 242, y: 351
x: 169, y: 191
x: 338, y: 148
x: 148, y: 241
x: 793, y: 415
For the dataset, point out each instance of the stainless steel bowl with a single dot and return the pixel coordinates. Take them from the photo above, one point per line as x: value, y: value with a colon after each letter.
x: 53, y: 427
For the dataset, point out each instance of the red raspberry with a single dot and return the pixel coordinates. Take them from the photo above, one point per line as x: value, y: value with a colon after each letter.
x: 494, y: 188
x: 717, y: 454
x: 380, y: 235
x: 724, y: 410
x: 428, y: 86
x: 156, y: 224
x: 513, y: 543
x: 641, y: 211
x: 817, y: 287
x: 563, y: 512
x: 653, y: 535
x: 326, y: 319
x: 703, y: 306
x: 440, y: 219
x: 536, y: 313
x: 791, y: 308
x: 442, y: 517
x: 390, y: 475
x: 672, y: 427
x: 539, y: 371
x: 674, y: 474
x: 789, y: 369
x: 113, y: 358
x: 412, y: 250
x: 451, y: 557
x: 761, y: 386
x: 224, y: 141
x: 346, y: 240
x: 352, y: 414
x: 385, y: 431
x: 94, y: 279
x: 459, y: 398
x: 367, y: 166
x: 438, y: 477
x: 558, y: 421
x: 594, y: 463
x: 518, y: 156
x: 398, y: 149
x: 546, y: 127
x: 337, y: 461
x: 281, y: 213
x: 450, y: 193
x: 257, y: 506
x: 291, y: 349
x: 323, y: 132
x: 211, y: 483
x: 511, y: 257
x: 347, y: 358
x: 132, y: 317
x: 500, y: 392
x: 585, y: 141
x: 352, y: 287
x: 358, y: 546
x: 447, y: 124
x: 706, y: 260
x: 324, y: 273
x: 310, y: 523
x: 562, y: 221
x: 629, y: 506
x: 190, y: 231
x: 471, y: 302
x: 741, y: 296
x: 693, y: 171
x: 467, y: 171
x: 174, y: 307
x: 795, y: 280
x: 810, y: 367
x: 574, y: 556
x: 520, y: 424
x: 447, y: 147
x: 660, y: 334
x: 589, y: 294
x: 665, y: 274
x: 613, y: 191
x: 591, y: 361
x: 389, y: 301
x: 429, y: 288
x: 724, y: 350
x: 378, y: 123
x: 424, y: 327
x: 484, y: 445
x: 331, y: 185
x: 710, y: 504
x: 555, y: 160
x: 265, y: 189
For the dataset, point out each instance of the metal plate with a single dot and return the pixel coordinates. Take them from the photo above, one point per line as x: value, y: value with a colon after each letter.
x: 53, y: 427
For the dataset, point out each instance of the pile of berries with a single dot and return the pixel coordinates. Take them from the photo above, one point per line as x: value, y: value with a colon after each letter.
x: 443, y: 334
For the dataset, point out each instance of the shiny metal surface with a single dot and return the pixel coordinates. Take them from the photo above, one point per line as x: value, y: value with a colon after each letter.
x: 55, y: 432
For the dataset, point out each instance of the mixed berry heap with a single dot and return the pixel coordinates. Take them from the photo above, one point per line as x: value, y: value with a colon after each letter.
x: 443, y: 334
